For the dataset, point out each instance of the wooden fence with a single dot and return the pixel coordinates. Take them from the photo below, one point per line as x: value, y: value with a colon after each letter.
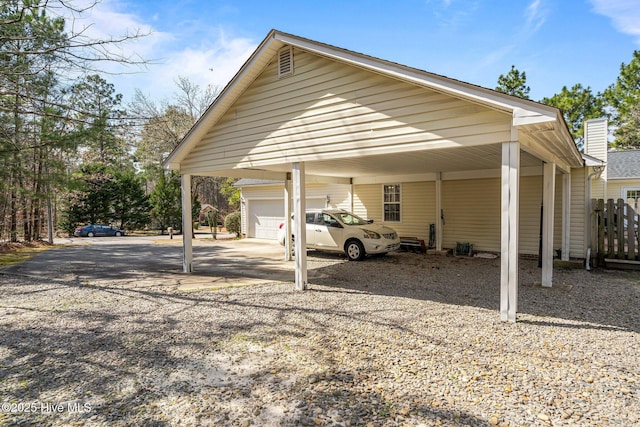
x: 614, y: 231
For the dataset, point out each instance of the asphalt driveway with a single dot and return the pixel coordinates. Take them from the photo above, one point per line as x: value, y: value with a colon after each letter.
x: 216, y: 262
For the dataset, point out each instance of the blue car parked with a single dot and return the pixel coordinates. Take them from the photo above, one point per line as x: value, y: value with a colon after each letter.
x: 94, y: 230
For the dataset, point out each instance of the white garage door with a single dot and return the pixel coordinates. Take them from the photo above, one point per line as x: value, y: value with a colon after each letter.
x: 265, y: 216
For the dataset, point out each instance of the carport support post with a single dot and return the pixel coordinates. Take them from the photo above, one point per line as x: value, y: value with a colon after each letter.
x: 287, y: 218
x: 548, y: 196
x: 510, y: 184
x: 439, y: 224
x: 187, y: 243
x: 350, y: 197
x: 566, y: 216
x: 299, y: 224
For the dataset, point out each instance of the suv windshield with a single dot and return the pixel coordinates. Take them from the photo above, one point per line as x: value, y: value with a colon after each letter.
x: 349, y: 219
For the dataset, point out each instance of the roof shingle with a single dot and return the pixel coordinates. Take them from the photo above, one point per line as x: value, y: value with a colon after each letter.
x: 623, y: 164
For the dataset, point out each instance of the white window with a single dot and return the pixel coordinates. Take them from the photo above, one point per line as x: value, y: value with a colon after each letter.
x: 391, y: 202
x: 630, y: 193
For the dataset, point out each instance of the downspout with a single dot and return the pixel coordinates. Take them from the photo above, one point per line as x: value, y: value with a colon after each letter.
x: 597, y: 171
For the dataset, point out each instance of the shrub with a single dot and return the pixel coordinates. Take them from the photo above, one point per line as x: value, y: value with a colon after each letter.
x: 232, y: 223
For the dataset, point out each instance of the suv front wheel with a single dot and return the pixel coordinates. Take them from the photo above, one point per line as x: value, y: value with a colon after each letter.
x: 354, y: 250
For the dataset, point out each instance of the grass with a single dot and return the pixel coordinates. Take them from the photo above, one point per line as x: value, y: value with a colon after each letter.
x: 15, y: 253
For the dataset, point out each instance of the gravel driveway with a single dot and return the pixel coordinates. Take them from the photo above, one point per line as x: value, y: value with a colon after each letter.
x: 405, y: 339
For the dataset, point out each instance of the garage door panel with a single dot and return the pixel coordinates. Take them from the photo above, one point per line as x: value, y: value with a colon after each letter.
x: 265, y: 216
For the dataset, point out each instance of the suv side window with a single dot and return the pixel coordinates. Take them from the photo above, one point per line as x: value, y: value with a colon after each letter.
x: 311, y: 217
x: 328, y: 220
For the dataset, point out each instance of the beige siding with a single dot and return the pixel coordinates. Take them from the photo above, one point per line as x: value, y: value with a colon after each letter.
x: 337, y: 107
x: 611, y: 189
x: 417, y: 209
x: 615, y: 186
x: 599, y: 188
x: 530, y: 201
x: 263, y: 192
x: 472, y: 213
x: 338, y: 194
x: 557, y: 219
x: 579, y: 216
x: 367, y: 201
x: 595, y: 143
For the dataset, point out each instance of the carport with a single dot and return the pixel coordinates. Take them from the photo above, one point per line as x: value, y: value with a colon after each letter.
x: 302, y: 111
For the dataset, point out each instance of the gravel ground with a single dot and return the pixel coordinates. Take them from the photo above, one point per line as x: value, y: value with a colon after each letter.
x: 404, y: 339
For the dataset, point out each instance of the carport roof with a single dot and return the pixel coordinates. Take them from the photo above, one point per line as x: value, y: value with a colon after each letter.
x: 544, y: 133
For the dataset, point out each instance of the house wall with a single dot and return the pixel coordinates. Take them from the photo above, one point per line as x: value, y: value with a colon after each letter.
x: 417, y: 207
x: 530, y: 207
x: 615, y: 186
x: 472, y: 213
x: 471, y: 209
x: 328, y: 109
x: 579, y: 213
x: 596, y: 145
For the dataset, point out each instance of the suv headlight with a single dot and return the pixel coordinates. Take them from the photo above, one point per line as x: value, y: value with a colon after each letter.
x: 368, y: 234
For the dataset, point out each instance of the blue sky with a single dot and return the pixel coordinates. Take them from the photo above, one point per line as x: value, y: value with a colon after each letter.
x: 556, y: 42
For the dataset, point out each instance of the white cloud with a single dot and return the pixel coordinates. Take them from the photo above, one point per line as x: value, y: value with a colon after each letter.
x: 215, y: 65
x: 206, y: 56
x: 496, y: 56
x: 535, y: 15
x: 624, y: 14
x: 453, y: 15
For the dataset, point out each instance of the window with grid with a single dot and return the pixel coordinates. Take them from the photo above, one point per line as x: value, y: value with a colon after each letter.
x: 633, y: 193
x: 391, y: 202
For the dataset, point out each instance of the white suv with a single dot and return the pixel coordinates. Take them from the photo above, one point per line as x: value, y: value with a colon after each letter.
x: 341, y: 231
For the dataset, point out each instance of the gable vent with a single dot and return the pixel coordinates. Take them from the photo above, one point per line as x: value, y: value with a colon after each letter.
x: 285, y: 62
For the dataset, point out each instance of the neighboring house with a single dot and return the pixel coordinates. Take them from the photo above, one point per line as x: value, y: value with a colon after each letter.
x: 404, y: 147
x: 620, y: 175
x: 623, y: 174
x: 204, y: 211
